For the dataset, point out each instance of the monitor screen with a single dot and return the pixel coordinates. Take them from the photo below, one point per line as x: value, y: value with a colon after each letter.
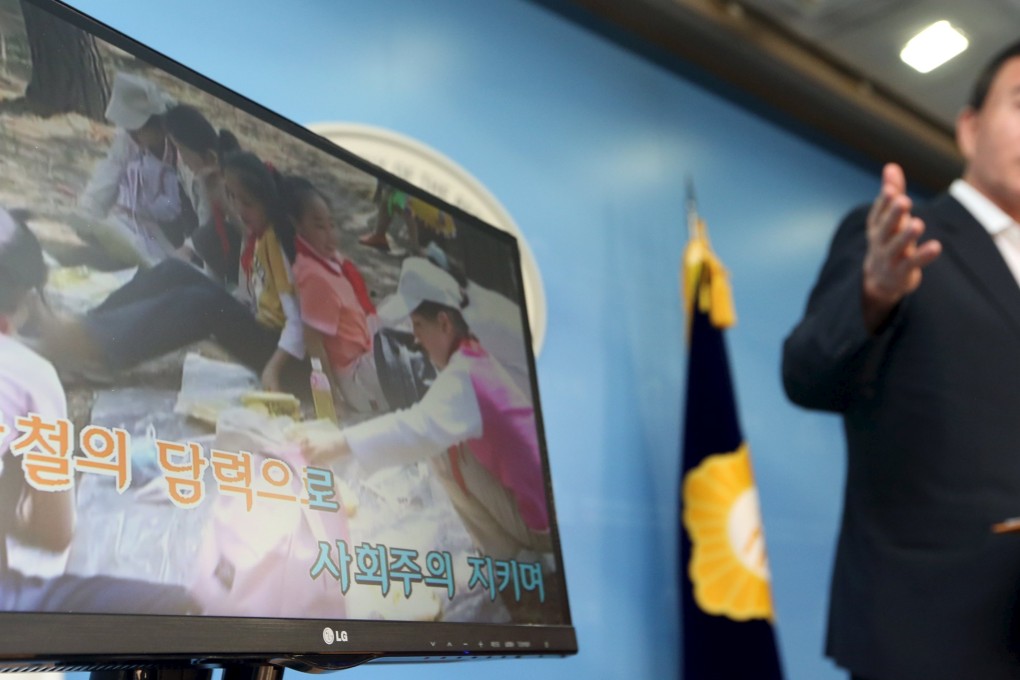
x: 260, y: 401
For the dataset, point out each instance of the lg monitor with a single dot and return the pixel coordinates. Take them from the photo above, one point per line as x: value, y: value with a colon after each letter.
x: 263, y: 404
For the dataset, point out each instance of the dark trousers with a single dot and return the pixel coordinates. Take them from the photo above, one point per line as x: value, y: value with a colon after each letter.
x: 172, y: 305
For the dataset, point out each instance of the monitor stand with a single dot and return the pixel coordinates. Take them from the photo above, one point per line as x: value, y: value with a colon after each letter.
x: 253, y: 671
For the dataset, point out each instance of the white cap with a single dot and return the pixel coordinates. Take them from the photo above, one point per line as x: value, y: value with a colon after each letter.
x: 134, y: 100
x: 420, y: 281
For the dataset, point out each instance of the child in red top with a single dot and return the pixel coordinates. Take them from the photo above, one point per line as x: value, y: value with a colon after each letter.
x: 335, y: 305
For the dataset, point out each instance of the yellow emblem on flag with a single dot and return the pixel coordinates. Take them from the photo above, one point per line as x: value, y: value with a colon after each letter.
x: 728, y: 566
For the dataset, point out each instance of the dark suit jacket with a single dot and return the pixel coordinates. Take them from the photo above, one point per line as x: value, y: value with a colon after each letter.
x: 931, y: 407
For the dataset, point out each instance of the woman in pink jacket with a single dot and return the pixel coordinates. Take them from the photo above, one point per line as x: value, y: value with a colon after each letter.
x: 474, y: 424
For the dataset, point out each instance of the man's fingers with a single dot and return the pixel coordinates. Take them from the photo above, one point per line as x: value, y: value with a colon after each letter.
x: 894, y: 264
x: 889, y: 202
x: 890, y: 220
x: 898, y: 234
x: 892, y: 175
x: 926, y: 253
x: 879, y: 205
x: 923, y: 255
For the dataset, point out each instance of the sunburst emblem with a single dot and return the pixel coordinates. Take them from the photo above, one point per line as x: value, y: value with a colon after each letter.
x: 728, y: 567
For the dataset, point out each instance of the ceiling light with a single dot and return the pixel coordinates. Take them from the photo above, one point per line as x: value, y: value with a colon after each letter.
x: 933, y: 46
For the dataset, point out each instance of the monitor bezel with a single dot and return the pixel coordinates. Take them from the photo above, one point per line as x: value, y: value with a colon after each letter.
x: 62, y: 641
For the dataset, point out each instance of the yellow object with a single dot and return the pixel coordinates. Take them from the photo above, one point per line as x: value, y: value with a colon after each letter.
x: 207, y: 413
x: 728, y: 566
x: 322, y: 393
x: 703, y: 273
x: 432, y: 217
x: 270, y: 278
x: 64, y: 277
x: 273, y: 403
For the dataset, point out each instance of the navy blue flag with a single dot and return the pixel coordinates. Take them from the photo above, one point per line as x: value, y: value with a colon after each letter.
x: 727, y: 617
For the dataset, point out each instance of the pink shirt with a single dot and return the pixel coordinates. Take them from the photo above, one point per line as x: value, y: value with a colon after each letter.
x: 28, y: 384
x: 330, y: 305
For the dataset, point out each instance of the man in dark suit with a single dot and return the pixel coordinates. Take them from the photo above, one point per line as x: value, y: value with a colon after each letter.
x: 912, y: 333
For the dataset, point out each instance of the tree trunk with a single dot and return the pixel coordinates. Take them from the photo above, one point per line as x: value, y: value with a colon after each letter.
x: 67, y: 71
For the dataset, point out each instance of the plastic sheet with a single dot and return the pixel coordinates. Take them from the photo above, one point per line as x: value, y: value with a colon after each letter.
x: 209, y: 386
x: 401, y: 507
x: 407, y: 507
x: 78, y: 289
x: 112, y: 526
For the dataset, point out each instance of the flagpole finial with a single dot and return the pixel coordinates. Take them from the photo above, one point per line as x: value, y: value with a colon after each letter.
x: 692, y: 206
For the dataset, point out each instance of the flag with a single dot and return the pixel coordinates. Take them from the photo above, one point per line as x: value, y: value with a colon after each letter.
x: 727, y: 617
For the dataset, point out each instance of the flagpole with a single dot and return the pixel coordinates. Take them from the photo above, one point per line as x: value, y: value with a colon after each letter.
x: 691, y: 203
x: 693, y: 255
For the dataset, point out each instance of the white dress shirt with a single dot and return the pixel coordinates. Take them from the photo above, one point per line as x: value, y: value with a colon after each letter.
x: 1003, y: 229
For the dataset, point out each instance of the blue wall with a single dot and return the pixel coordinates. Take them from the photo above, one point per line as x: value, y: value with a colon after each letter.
x: 587, y: 146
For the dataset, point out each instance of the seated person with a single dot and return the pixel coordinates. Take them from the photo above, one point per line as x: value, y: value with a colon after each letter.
x: 171, y: 305
x: 41, y: 517
x: 216, y: 241
x: 425, y: 222
x: 494, y: 318
x: 337, y: 311
x: 474, y: 425
x: 132, y: 202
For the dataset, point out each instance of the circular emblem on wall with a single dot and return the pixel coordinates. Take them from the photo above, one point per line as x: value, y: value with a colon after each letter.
x: 427, y: 168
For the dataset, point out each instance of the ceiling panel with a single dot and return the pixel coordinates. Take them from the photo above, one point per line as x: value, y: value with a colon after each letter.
x: 828, y: 67
x: 867, y: 35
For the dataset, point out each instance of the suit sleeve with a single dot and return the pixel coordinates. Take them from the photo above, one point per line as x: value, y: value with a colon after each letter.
x: 830, y: 358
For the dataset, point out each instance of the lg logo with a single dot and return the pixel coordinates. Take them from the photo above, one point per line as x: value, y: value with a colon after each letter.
x: 329, y: 636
